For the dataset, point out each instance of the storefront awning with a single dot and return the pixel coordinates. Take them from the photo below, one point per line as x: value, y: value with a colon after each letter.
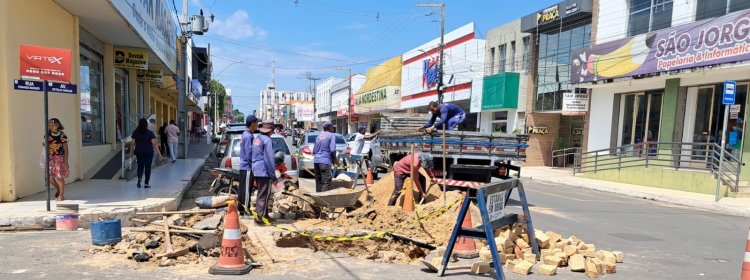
x: 381, y: 90
x: 131, y: 23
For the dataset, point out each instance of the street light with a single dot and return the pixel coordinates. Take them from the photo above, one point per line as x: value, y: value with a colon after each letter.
x: 216, y: 95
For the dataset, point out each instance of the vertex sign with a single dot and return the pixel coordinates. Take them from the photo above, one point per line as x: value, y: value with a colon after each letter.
x: 548, y: 15
x: 131, y: 58
x: 42, y: 63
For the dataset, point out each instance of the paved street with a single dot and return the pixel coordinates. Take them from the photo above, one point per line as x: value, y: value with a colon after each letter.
x: 659, y: 242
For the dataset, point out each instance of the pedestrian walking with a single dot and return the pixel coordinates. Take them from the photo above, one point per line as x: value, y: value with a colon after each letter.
x: 59, y: 169
x: 324, y: 153
x: 246, y: 163
x: 144, y: 146
x: 263, y: 169
x: 402, y: 170
x: 163, y: 139
x: 173, y: 135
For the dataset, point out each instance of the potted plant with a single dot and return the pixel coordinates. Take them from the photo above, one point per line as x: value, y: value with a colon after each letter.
x: 559, y: 144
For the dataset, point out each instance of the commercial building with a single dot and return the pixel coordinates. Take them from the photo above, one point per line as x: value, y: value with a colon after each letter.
x: 463, y: 73
x: 554, y: 117
x: 656, y: 74
x: 280, y: 105
x: 502, y: 101
x: 120, y: 54
x: 341, y: 101
x: 323, y: 99
x: 381, y: 93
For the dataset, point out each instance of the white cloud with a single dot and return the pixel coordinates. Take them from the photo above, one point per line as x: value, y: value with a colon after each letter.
x: 355, y: 26
x: 237, y: 26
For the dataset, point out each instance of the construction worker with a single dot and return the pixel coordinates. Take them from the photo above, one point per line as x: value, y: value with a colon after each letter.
x: 450, y: 115
x: 324, y: 153
x: 246, y: 163
x: 263, y: 169
x: 403, y: 169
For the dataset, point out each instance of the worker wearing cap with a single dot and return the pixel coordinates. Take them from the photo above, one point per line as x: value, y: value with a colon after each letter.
x: 403, y: 169
x: 450, y: 116
x: 263, y: 168
x: 324, y: 153
x: 246, y: 167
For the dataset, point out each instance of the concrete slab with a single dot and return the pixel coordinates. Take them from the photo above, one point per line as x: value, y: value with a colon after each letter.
x: 726, y: 205
x: 109, y: 198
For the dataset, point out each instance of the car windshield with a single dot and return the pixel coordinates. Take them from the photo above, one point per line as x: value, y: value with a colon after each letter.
x: 279, y: 145
x: 339, y: 139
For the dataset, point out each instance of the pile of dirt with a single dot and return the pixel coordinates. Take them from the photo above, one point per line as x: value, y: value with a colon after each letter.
x: 148, y: 244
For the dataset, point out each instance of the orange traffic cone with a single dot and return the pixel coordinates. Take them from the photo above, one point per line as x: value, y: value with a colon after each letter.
x: 232, y: 259
x: 369, y: 180
x: 746, y: 261
x: 465, y: 247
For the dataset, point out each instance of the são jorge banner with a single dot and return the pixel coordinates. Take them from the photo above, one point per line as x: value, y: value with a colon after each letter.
x: 708, y: 42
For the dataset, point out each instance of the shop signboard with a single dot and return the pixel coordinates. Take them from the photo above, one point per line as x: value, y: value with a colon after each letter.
x: 500, y: 91
x: 131, y: 58
x: 377, y: 100
x: 537, y: 130
x: 153, y: 74
x: 575, y: 103
x: 548, y: 15
x: 42, y: 63
x: 420, y: 72
x: 729, y: 90
x: 734, y: 111
x: 304, y: 112
x: 155, y: 23
x: 715, y: 41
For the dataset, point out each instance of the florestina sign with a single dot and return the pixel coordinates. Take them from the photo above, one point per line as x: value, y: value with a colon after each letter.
x: 720, y: 40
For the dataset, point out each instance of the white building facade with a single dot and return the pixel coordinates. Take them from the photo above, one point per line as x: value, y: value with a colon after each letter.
x: 341, y: 98
x: 463, y: 73
x: 323, y: 99
x: 280, y: 105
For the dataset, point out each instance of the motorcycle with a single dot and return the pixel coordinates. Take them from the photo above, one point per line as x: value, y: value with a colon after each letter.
x: 225, y: 182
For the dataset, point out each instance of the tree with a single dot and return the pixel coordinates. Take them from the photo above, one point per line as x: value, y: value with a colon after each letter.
x: 218, y: 89
x: 238, y: 116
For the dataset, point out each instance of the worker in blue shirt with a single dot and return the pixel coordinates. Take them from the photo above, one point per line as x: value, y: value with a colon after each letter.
x: 450, y: 115
x: 263, y: 168
x: 246, y: 168
x: 324, y: 153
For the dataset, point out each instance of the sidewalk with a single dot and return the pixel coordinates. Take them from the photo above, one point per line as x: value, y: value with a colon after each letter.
x: 727, y: 205
x: 113, y: 198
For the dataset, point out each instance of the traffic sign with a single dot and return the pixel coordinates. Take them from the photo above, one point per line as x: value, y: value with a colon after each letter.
x: 28, y: 85
x: 729, y: 92
x: 62, y: 88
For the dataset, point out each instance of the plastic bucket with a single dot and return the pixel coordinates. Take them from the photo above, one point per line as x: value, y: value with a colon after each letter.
x: 67, y: 217
x: 106, y: 232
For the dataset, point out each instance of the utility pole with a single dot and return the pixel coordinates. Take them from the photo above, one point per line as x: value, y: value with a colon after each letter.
x: 349, y: 101
x: 313, y: 90
x: 199, y: 27
x: 442, y: 46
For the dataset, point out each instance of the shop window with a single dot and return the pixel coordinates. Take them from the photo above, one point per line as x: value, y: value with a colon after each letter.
x: 501, y: 56
x: 512, y: 56
x: 716, y: 8
x: 92, y: 97
x: 649, y: 15
x: 641, y: 119
x: 526, y: 47
x: 492, y: 60
x: 553, y: 73
x: 500, y: 122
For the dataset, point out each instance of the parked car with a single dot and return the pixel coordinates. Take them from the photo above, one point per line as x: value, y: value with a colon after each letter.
x: 232, y: 160
x: 306, y: 149
x: 353, y: 145
x: 220, y: 150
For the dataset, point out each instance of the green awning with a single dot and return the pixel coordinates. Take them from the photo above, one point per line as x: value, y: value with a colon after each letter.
x: 500, y: 91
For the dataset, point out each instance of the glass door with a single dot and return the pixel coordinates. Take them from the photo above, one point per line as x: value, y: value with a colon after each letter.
x: 122, y: 103
x: 641, y: 116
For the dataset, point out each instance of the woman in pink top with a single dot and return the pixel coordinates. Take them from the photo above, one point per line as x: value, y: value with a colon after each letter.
x: 402, y: 170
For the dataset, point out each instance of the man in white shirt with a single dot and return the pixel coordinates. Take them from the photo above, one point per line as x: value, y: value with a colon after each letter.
x: 173, y: 136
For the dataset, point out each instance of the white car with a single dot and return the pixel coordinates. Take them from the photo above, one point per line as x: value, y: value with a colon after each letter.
x: 232, y: 161
x: 305, y: 149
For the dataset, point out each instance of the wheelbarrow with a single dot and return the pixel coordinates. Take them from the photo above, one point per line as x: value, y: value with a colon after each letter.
x: 327, y: 202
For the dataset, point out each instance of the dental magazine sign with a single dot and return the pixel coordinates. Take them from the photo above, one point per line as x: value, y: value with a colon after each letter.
x: 714, y: 41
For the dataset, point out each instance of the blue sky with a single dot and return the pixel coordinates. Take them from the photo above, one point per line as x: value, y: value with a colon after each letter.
x: 318, y: 35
